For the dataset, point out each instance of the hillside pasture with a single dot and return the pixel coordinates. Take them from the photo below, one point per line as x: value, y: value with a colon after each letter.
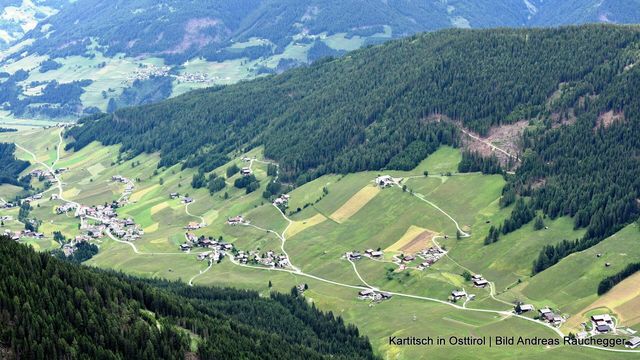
x: 355, y: 203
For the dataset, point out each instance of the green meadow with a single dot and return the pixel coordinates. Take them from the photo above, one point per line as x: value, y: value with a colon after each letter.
x: 317, y: 246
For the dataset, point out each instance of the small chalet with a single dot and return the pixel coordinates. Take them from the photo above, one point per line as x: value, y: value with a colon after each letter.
x: 547, y: 315
x: 633, y: 343
x: 193, y: 226
x: 524, y: 308
x: 235, y: 220
x: 282, y: 200
x: 384, y: 181
x: 602, y: 319
x: 245, y: 171
x: 374, y: 253
x: 480, y: 283
x: 603, y: 328
x: 458, y: 294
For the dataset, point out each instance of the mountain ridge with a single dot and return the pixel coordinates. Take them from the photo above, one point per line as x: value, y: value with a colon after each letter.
x: 125, y: 53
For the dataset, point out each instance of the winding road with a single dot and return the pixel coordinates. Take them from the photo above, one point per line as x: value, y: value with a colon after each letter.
x: 505, y: 314
x: 201, y: 272
x: 299, y: 272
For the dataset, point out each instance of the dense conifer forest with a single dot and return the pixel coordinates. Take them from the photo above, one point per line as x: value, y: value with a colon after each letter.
x: 374, y: 109
x: 10, y: 167
x: 53, y: 309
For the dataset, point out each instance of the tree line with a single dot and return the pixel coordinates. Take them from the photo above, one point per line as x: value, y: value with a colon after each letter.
x: 609, y: 282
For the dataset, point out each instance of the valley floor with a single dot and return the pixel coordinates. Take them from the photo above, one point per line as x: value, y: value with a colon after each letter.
x: 425, y: 231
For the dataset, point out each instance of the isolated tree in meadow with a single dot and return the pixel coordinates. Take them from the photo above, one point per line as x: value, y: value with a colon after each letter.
x: 538, y: 224
x: 466, y: 275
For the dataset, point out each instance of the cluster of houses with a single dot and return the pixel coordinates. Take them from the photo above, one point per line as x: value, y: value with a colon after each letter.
x: 194, y: 77
x: 128, y: 189
x: 46, y: 174
x: 7, y: 205
x: 213, y: 255
x: 183, y: 199
x: 30, y: 199
x: 203, y: 242
x: 69, y: 248
x: 107, y: 220
x: 370, y: 294
x: 218, y: 249
x: 269, y: 259
x: 194, y: 225
x: 125, y: 229
x: 17, y: 235
x: 548, y: 316
x: 430, y: 256
x: 65, y: 208
x: 283, y: 200
x: 370, y: 253
x: 385, y: 181
x: 602, y: 324
x: 145, y: 72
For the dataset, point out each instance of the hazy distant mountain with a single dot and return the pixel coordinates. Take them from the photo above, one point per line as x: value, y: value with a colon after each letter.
x: 93, y: 55
x: 17, y: 17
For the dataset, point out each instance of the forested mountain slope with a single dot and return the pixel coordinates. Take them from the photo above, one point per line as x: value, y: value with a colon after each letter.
x: 372, y: 110
x: 113, y: 54
x: 52, y: 309
x: 10, y: 167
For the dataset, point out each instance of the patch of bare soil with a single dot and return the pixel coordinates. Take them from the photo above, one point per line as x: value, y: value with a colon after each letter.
x: 423, y: 240
x: 503, y: 141
x: 194, y: 36
x: 608, y: 118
